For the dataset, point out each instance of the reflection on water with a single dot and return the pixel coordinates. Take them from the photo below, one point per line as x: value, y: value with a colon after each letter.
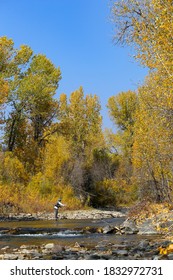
x: 67, y: 223
x: 69, y: 232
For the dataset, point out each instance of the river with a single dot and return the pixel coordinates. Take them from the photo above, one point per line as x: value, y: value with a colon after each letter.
x: 63, y: 232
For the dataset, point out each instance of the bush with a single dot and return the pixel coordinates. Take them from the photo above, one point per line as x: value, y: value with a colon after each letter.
x: 42, y: 194
x: 110, y: 192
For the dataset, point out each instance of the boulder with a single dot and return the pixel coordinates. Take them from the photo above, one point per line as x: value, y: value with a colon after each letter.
x: 129, y: 227
x: 147, y: 228
x: 108, y: 229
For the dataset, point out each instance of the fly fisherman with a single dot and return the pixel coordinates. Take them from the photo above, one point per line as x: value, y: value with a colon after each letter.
x: 56, y: 207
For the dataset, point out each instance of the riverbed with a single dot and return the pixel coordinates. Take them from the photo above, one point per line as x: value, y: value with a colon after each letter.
x: 63, y: 232
x: 73, y: 239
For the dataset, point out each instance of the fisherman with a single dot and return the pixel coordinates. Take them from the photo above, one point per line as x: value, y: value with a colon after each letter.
x: 56, y: 207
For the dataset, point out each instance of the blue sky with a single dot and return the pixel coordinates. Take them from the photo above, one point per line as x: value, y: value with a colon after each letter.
x: 77, y: 35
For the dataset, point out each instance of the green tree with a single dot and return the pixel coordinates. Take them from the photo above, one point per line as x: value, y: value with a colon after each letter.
x: 36, y: 92
x: 11, y: 63
x: 32, y: 109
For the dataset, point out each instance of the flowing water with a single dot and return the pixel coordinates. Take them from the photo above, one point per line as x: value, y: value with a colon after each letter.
x: 62, y: 232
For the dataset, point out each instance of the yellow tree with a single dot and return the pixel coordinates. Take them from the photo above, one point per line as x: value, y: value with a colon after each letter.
x: 80, y: 123
x: 148, y: 26
x: 56, y: 155
x: 153, y: 146
x: 122, y: 109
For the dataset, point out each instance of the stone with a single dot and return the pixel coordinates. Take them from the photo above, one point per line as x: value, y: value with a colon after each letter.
x: 119, y: 246
x: 122, y: 252
x: 46, y: 251
x: 15, y: 250
x: 166, y: 224
x: 170, y: 256
x: 143, y: 244
x: 108, y: 229
x: 93, y: 257
x: 77, y: 245
x: 25, y: 251
x: 137, y: 256
x: 49, y: 246
x: 5, y: 248
x: 57, y: 257
x: 166, y: 243
x: 129, y: 227
x: 100, y: 248
x: 157, y: 257
x: 10, y: 257
x: 58, y: 248
x: 24, y: 246
x: 147, y: 228
x: 21, y: 257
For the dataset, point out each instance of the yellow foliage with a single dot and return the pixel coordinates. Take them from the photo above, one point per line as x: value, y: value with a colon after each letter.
x: 14, y: 169
x: 42, y: 194
x: 148, y: 24
x: 158, y: 213
x: 152, y: 149
x: 114, y: 192
x: 167, y: 250
x: 81, y: 122
x: 56, y: 154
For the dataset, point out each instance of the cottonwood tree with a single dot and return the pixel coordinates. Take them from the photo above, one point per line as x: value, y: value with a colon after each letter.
x: 147, y: 25
x: 152, y: 149
x: 28, y: 84
x: 122, y: 110
x: 80, y: 123
x: 32, y: 108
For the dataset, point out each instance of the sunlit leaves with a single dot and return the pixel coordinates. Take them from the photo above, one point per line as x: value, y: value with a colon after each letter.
x: 167, y: 250
x: 81, y: 120
x: 148, y: 26
x: 57, y: 153
x: 122, y: 109
x: 152, y: 149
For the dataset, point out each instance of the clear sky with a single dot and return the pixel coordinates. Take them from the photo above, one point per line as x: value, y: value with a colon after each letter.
x: 77, y: 36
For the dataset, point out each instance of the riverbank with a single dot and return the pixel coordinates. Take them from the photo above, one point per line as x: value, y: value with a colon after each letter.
x: 69, y: 214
